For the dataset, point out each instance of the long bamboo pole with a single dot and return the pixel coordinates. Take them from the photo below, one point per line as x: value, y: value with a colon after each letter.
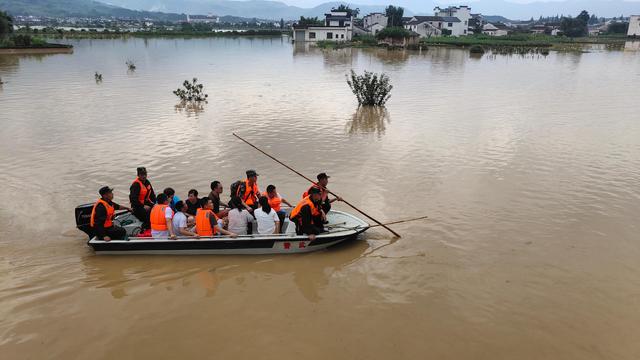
x: 313, y: 182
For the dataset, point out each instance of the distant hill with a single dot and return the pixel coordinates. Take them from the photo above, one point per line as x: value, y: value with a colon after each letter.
x: 495, y: 18
x: 78, y: 8
x: 249, y: 8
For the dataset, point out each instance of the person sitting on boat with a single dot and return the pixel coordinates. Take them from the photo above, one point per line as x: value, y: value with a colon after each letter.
x: 239, y: 218
x: 267, y: 218
x: 102, y: 217
x: 142, y: 197
x: 193, y: 203
x: 248, y: 191
x: 307, y: 215
x: 161, y: 216
x: 207, y: 222
x: 173, y: 198
x: 275, y: 201
x: 323, y: 181
x: 180, y: 223
x: 214, y: 195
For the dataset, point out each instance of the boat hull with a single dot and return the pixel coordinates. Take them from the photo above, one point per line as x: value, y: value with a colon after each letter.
x: 348, y: 228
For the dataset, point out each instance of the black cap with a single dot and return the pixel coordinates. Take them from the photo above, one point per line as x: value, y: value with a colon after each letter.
x: 142, y: 170
x: 322, y: 176
x: 105, y: 190
x: 314, y: 190
x: 251, y: 173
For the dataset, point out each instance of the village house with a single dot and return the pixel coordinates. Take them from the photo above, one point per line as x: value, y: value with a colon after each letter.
x: 202, y: 19
x: 338, y: 26
x: 374, y: 18
x: 452, y: 21
x: 496, y: 29
x: 634, y: 25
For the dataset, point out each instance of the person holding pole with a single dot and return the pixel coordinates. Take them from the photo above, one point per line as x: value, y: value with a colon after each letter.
x: 323, y: 181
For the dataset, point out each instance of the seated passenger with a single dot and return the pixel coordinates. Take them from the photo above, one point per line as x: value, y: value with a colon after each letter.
x: 275, y: 201
x: 173, y: 198
x: 161, y: 215
x: 180, y: 223
x: 307, y: 215
x: 267, y: 218
x: 207, y: 221
x: 239, y: 218
x: 102, y: 217
x: 193, y: 203
x: 214, y: 195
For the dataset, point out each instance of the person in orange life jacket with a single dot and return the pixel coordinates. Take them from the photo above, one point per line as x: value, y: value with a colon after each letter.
x: 307, y: 215
x: 142, y: 197
x: 248, y: 192
x: 160, y: 219
x: 102, y: 216
x: 207, y: 221
x: 275, y: 201
x: 323, y: 181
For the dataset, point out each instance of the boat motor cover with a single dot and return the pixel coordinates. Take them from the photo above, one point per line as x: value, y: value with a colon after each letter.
x: 83, y: 218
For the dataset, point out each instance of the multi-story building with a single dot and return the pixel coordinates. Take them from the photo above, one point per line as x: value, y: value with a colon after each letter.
x: 338, y: 26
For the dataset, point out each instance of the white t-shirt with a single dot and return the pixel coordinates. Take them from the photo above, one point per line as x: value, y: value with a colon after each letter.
x: 238, y: 221
x: 266, y: 222
x: 179, y: 221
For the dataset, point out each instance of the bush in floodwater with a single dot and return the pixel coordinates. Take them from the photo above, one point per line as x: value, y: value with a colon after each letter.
x: 544, y: 52
x: 370, y: 89
x: 476, y: 49
x: 131, y: 65
x: 191, y: 91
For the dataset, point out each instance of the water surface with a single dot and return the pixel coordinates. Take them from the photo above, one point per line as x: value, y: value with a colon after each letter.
x: 529, y: 168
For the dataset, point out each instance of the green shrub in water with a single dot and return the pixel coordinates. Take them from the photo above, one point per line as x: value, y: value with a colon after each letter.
x: 370, y: 89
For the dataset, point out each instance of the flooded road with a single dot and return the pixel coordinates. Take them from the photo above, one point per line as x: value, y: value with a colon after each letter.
x: 529, y: 168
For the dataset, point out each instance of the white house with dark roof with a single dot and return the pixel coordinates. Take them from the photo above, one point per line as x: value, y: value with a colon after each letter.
x: 452, y: 21
x: 338, y: 26
x: 496, y: 29
x: 634, y: 25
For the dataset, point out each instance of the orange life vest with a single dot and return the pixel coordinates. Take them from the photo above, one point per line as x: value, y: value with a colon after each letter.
x: 250, y: 195
x: 145, y: 191
x: 275, y: 202
x: 324, y: 192
x: 203, y: 222
x: 108, y: 222
x: 158, y: 221
x: 315, y: 211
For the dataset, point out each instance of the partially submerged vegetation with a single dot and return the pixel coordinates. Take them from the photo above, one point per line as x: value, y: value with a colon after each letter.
x: 56, y: 33
x: 370, y: 88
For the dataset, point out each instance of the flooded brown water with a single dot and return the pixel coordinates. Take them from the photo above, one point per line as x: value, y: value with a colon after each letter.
x: 529, y: 168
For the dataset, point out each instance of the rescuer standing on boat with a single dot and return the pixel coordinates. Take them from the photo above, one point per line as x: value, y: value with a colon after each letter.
x: 249, y: 192
x: 307, y: 215
x: 102, y: 216
x: 142, y: 197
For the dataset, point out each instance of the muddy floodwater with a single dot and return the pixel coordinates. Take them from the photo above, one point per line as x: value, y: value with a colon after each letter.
x: 528, y: 167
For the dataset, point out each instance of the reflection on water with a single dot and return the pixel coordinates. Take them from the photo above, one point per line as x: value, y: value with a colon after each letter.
x: 367, y: 120
x: 310, y: 273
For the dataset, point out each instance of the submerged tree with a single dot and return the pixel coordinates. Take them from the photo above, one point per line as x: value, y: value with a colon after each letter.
x: 370, y: 89
x: 191, y: 91
x: 131, y: 65
x: 98, y: 77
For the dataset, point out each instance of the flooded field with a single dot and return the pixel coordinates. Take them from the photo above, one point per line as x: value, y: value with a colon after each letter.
x: 528, y: 166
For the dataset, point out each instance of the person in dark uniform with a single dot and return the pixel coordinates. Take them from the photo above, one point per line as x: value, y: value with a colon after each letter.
x: 142, y: 197
x: 102, y: 217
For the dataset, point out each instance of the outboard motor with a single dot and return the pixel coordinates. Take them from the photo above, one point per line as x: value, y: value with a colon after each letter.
x: 83, y: 219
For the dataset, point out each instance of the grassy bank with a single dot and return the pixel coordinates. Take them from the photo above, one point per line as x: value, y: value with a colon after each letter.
x: 520, y: 40
x: 23, y: 41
